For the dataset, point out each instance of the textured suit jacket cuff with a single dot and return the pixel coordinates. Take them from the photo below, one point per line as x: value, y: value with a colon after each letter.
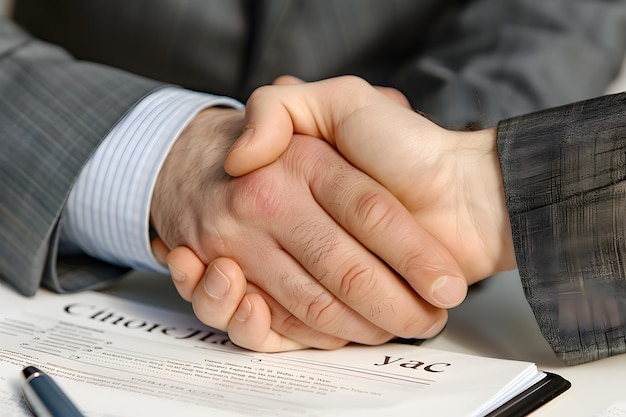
x: 564, y: 173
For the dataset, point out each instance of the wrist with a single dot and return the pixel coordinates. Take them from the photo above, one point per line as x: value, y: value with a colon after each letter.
x: 490, y: 174
x: 112, y: 224
x: 194, y: 163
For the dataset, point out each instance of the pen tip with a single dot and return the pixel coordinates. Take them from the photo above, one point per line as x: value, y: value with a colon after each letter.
x: 29, y: 370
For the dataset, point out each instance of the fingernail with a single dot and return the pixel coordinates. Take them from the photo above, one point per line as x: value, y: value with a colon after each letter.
x: 243, y: 311
x: 177, y: 275
x: 216, y: 283
x: 449, y: 291
x: 434, y: 330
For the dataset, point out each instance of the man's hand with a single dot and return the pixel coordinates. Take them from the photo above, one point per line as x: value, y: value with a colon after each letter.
x: 449, y: 181
x: 300, y: 230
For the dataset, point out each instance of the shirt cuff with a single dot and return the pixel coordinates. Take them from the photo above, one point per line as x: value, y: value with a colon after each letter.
x: 108, y: 212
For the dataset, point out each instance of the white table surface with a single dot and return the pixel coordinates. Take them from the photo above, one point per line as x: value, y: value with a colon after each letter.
x: 495, y: 321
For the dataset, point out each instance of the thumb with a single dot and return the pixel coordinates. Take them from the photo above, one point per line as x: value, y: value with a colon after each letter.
x: 267, y: 131
x: 274, y: 113
x: 262, y: 142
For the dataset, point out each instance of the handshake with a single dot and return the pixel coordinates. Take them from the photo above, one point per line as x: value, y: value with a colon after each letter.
x: 343, y: 216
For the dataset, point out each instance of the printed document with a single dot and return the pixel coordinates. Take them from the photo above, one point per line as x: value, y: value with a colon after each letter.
x: 116, y: 358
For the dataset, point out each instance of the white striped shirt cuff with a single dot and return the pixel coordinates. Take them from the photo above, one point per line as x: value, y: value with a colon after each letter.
x: 108, y: 212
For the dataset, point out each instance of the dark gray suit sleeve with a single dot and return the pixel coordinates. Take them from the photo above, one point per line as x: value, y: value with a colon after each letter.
x: 564, y: 173
x: 495, y: 59
x: 54, y: 111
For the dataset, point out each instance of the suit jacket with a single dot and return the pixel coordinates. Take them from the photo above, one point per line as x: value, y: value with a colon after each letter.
x: 54, y: 111
x: 464, y: 62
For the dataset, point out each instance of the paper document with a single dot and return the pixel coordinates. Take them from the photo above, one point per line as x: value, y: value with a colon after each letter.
x: 118, y: 358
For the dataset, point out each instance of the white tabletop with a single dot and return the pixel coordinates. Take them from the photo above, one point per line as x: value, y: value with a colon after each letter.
x: 495, y: 321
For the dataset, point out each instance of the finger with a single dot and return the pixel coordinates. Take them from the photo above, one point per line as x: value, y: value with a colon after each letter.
x: 254, y: 324
x: 309, y: 304
x: 414, y: 253
x: 219, y: 300
x: 338, y: 261
x: 186, y: 270
x: 287, y: 80
x: 369, y: 212
x: 218, y: 293
x: 395, y: 95
x: 251, y: 328
x: 159, y: 249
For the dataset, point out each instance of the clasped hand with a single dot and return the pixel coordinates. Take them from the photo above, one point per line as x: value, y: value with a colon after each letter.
x: 304, y: 249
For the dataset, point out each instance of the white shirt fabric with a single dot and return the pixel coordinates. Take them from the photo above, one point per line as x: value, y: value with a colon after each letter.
x: 108, y: 211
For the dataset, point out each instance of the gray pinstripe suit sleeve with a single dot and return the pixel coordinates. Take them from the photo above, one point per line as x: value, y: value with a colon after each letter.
x: 54, y: 111
x: 564, y: 173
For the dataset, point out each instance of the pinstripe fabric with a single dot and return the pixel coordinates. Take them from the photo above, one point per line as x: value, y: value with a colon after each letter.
x: 47, y: 132
x: 107, y: 214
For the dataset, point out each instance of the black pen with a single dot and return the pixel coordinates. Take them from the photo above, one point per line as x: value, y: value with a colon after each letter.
x: 44, y: 397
